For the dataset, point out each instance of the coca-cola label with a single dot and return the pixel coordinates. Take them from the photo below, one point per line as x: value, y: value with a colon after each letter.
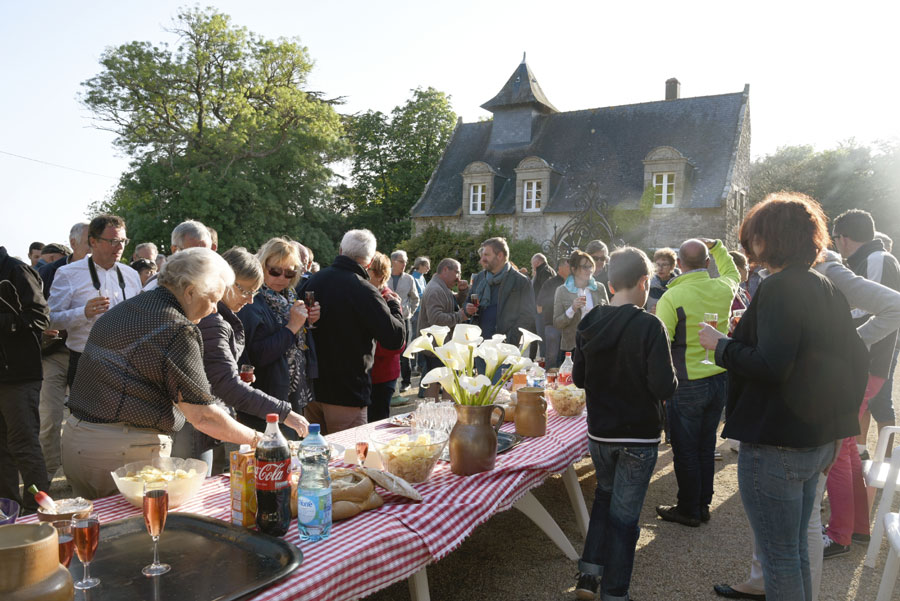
x: 273, y: 475
x: 564, y: 379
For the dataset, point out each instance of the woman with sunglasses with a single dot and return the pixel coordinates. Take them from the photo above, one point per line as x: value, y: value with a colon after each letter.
x: 575, y: 298
x: 277, y: 344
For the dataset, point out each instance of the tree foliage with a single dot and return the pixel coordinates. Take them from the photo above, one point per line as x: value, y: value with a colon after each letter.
x: 849, y: 176
x: 220, y: 129
x: 437, y: 243
x: 393, y: 157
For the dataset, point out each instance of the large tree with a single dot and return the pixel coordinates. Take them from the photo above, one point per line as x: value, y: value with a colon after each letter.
x: 849, y: 176
x: 220, y: 129
x: 393, y: 158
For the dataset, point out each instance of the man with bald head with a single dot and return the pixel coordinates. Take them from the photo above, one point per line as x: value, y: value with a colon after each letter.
x: 694, y: 410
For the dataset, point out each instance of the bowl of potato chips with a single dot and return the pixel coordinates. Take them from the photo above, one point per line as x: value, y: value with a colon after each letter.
x: 184, y: 477
x: 409, y: 453
x: 567, y: 401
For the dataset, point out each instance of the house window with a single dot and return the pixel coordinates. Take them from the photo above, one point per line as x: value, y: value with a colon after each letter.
x: 663, y: 189
x: 532, y: 196
x: 476, y: 198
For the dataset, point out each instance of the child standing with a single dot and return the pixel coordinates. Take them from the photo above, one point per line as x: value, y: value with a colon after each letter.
x: 623, y: 361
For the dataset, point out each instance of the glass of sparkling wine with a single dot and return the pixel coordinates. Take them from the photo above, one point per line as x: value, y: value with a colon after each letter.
x: 86, y: 534
x: 66, y: 542
x: 310, y: 301
x: 156, y: 508
x: 362, y: 444
x: 713, y: 320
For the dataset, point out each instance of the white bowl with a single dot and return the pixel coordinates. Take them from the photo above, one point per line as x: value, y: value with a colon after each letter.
x: 180, y: 489
x: 402, y: 456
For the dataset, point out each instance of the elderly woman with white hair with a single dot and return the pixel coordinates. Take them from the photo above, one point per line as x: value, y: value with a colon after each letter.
x: 275, y: 325
x: 141, y: 376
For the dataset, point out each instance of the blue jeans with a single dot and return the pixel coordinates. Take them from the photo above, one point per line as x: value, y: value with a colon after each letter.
x: 778, y: 489
x: 623, y: 475
x: 693, y: 415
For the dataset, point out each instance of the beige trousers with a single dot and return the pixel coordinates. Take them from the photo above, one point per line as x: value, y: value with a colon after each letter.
x: 51, y: 408
x: 91, y: 451
x: 334, y: 418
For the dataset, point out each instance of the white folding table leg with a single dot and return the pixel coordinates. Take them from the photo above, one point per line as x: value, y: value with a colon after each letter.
x: 418, y: 586
x: 570, y: 479
x: 889, y: 577
x: 532, y: 508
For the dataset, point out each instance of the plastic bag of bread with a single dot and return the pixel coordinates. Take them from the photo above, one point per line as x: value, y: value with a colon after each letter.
x: 392, y: 483
x: 351, y: 493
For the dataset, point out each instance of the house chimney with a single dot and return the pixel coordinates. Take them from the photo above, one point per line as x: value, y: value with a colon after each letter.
x: 673, y: 89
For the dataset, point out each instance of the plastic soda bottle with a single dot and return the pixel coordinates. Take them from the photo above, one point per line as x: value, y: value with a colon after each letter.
x: 273, y: 480
x: 314, y: 489
x: 565, y: 371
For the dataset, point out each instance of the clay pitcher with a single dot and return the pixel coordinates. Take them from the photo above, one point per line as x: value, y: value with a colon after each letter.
x: 531, y: 412
x: 29, y: 565
x: 473, y: 441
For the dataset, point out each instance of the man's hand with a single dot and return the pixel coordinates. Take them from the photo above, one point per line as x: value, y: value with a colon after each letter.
x: 709, y: 242
x: 471, y: 309
x: 709, y: 336
x: 314, y: 313
x: 96, y: 306
x: 462, y: 285
x: 388, y: 294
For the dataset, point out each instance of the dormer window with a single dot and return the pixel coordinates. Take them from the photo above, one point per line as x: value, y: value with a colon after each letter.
x: 663, y: 189
x: 531, y: 195
x: 477, y: 194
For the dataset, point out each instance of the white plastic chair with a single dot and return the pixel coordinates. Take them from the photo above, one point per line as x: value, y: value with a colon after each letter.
x: 881, y: 474
x: 892, y: 565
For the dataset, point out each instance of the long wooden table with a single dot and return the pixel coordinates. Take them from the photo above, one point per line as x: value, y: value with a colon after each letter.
x: 400, y: 539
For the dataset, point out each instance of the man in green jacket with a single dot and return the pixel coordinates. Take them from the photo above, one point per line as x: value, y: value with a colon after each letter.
x: 694, y: 410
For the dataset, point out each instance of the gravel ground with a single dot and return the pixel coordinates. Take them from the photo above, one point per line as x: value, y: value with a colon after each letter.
x: 510, y: 559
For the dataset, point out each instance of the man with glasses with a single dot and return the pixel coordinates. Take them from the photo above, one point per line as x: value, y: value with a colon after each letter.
x: 600, y: 254
x: 85, y: 289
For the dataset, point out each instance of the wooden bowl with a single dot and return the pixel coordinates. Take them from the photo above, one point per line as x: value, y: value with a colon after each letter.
x: 52, y: 517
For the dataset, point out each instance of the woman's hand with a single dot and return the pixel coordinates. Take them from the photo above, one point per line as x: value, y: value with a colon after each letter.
x: 298, y: 317
x: 388, y: 294
x: 579, y: 302
x: 298, y: 423
x: 314, y: 313
x: 709, y: 336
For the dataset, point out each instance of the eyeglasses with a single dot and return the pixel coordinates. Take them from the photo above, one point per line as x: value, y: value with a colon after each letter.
x: 246, y: 294
x: 115, y: 241
x: 599, y: 259
x: 586, y: 267
x: 277, y: 272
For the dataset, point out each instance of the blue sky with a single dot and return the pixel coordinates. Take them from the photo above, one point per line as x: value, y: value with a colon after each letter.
x: 816, y: 75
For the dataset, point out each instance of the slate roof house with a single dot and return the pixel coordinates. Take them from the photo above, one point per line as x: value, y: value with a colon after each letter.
x: 538, y: 171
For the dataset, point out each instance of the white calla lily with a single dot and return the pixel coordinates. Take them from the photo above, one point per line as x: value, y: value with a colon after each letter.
x: 507, y: 351
x: 442, y: 375
x: 439, y: 333
x: 453, y: 354
x: 491, y: 356
x: 421, y: 343
x: 466, y: 333
x: 527, y: 338
x: 473, y: 386
x: 518, y: 364
x: 499, y: 338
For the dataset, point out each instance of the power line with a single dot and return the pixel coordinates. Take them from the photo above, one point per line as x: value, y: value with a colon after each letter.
x: 18, y: 156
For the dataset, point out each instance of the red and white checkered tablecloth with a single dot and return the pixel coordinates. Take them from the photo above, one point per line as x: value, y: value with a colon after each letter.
x: 379, y: 547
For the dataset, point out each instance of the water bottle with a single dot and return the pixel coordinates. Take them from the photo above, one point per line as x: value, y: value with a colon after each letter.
x: 314, y: 488
x: 565, y: 371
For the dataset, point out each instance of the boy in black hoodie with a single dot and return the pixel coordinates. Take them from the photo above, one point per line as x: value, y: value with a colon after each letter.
x: 623, y: 361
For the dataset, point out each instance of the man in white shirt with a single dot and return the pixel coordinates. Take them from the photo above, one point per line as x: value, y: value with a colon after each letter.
x: 187, y: 234
x: 86, y: 289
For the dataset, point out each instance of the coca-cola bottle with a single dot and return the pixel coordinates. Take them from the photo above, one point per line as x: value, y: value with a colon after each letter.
x: 565, y: 371
x: 273, y: 480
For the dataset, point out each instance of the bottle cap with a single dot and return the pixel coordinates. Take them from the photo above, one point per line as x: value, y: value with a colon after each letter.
x: 568, y: 354
x: 314, y: 428
x: 272, y: 418
x: 245, y: 448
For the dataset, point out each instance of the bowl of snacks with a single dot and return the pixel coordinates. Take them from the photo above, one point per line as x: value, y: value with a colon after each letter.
x: 409, y: 453
x: 66, y: 509
x: 185, y: 476
x: 567, y: 401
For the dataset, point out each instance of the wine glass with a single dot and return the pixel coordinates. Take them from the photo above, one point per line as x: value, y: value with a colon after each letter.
x: 247, y: 373
x: 362, y: 444
x: 86, y: 534
x: 66, y: 542
x: 310, y: 301
x: 156, y: 508
x: 474, y: 298
x: 713, y: 320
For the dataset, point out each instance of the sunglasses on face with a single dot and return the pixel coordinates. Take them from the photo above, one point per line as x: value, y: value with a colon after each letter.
x: 277, y: 272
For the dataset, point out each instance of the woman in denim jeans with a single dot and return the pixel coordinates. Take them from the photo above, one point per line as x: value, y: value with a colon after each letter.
x: 797, y: 373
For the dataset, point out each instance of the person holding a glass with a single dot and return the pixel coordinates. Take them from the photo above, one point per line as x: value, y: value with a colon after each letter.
x: 694, y: 411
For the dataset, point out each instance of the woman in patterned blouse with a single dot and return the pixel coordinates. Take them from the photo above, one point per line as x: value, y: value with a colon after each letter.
x: 141, y: 376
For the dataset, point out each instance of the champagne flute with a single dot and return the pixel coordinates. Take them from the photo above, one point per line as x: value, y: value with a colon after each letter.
x: 310, y: 301
x: 66, y: 542
x: 711, y: 319
x: 86, y: 534
x: 156, y: 508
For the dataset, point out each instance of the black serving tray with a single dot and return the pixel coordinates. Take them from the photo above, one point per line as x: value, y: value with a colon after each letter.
x: 211, y: 560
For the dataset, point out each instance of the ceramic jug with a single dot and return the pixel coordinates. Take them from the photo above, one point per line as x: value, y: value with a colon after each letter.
x: 531, y: 412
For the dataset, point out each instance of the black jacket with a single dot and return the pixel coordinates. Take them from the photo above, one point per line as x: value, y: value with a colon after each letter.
x: 545, y: 298
x: 223, y: 343
x: 23, y: 316
x: 872, y: 262
x: 797, y: 369
x: 622, y: 360
x: 543, y: 273
x: 354, y: 316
